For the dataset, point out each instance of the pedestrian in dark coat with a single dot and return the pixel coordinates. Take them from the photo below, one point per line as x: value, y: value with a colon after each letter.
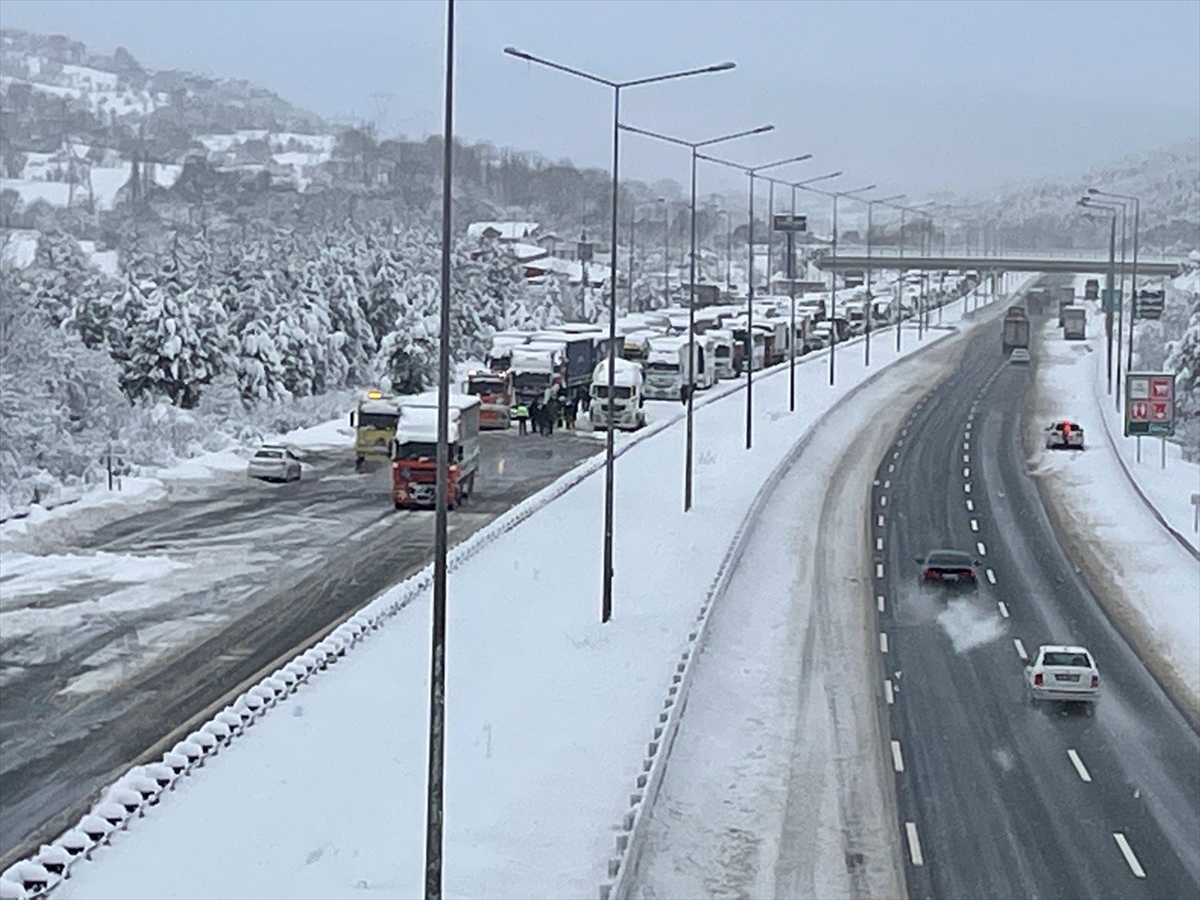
x: 535, y: 416
x: 550, y: 414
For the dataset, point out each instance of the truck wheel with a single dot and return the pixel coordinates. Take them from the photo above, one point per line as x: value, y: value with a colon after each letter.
x: 399, y: 506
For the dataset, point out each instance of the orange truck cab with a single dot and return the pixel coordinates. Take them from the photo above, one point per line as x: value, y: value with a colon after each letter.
x: 414, y: 452
x: 495, y: 393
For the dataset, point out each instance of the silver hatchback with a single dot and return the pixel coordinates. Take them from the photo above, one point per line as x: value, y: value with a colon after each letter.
x: 274, y: 463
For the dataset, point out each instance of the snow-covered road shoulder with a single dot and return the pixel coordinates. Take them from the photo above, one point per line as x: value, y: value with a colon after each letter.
x: 1147, y: 580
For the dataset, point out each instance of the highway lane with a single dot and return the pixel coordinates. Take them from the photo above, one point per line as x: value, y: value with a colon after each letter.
x: 998, y: 798
x: 260, y: 570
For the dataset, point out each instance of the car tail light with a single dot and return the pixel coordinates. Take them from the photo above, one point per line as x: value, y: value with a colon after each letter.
x: 1039, y: 679
x: 930, y: 573
x: 1095, y: 681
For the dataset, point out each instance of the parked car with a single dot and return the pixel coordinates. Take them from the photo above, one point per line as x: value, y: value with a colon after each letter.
x: 1064, y: 435
x: 948, y: 567
x: 1065, y: 673
x: 274, y: 463
x: 1019, y: 356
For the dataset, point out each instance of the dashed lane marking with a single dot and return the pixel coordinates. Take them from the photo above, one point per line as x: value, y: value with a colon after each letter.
x: 883, y: 642
x: 880, y: 603
x: 897, y: 757
x: 966, y: 472
x: 1130, y: 857
x: 888, y: 692
x: 1080, y: 768
x: 970, y: 506
x: 974, y: 524
x: 896, y: 455
x: 883, y: 499
x: 982, y: 549
x: 1003, y: 608
x: 878, y: 570
x: 887, y: 482
x: 914, y: 844
x: 880, y: 521
x: 966, y: 445
x: 991, y: 576
x: 966, y: 457
x: 1020, y: 648
x: 891, y: 468
x: 967, y: 487
x: 878, y: 543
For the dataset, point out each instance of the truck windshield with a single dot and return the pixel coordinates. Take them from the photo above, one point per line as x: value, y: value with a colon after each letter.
x: 535, y: 380
x: 417, y: 450
x: 479, y: 387
x: 379, y: 421
x: 620, y: 392
x: 669, y: 368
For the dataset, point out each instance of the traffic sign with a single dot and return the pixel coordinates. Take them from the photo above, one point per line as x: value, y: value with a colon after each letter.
x: 790, y: 223
x: 1110, y: 300
x: 1150, y: 404
x: 1149, y: 304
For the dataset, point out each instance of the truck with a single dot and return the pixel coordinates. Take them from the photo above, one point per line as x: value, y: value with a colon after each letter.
x: 499, y: 358
x: 1074, y: 323
x: 374, y: 421
x: 722, y: 352
x: 539, y: 368
x: 1091, y: 290
x: 581, y: 352
x: 495, y: 393
x: 628, y: 396
x: 666, y: 368
x: 414, y: 451
x: 1015, y: 331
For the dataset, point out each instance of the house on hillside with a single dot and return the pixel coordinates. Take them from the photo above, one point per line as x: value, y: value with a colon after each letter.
x: 506, y: 232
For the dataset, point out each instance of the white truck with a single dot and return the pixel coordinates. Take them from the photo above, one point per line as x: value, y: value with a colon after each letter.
x: 722, y: 343
x: 538, y: 368
x: 499, y: 358
x: 627, y: 400
x: 666, y: 368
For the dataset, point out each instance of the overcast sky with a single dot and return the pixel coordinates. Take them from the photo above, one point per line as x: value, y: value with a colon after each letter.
x: 915, y: 96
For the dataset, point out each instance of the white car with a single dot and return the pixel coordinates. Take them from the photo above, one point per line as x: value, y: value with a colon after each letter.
x: 1064, y: 435
x: 1059, y: 672
x: 274, y: 463
x: 1019, y: 356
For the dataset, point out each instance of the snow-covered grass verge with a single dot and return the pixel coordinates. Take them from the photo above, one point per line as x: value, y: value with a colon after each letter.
x: 1116, y: 512
x: 548, y: 709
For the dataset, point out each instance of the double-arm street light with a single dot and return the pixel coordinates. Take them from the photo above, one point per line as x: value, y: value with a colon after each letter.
x: 617, y: 87
x: 835, y: 195
x: 1137, y: 213
x: 792, y: 286
x: 870, y: 299
x: 694, y: 146
x: 748, y: 353
x: 1109, y: 209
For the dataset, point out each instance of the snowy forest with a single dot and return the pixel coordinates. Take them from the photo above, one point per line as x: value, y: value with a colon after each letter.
x: 209, y: 339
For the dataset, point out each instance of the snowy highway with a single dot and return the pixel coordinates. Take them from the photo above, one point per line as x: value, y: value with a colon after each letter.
x: 998, y: 798
x: 118, y: 633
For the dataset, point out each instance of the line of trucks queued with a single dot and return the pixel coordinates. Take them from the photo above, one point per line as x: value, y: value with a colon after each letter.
x: 654, y: 360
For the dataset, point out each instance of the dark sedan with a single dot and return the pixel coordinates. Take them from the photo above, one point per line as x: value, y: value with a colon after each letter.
x: 948, y: 567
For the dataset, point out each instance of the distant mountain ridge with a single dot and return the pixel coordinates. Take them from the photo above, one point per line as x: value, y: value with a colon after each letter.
x: 53, y: 88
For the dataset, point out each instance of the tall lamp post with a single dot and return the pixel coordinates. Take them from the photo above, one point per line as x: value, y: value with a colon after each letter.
x: 870, y: 299
x: 795, y: 186
x: 835, y: 195
x: 435, y: 783
x: 1109, y: 209
x: 694, y: 146
x: 748, y: 354
x: 617, y: 86
x: 1137, y: 212
x: 666, y: 250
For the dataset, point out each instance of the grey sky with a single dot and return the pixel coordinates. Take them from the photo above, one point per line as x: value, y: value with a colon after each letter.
x: 913, y: 96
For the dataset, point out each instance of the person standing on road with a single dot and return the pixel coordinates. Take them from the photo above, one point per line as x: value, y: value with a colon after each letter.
x: 570, y: 412
x: 549, y: 414
x: 535, y: 416
x: 521, y: 414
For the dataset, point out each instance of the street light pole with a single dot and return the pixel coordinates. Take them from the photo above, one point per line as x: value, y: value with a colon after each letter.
x: 691, y: 388
x: 870, y: 298
x: 609, y: 455
x: 435, y: 785
x: 749, y: 350
x: 666, y: 251
x: 1137, y: 209
x: 1111, y: 210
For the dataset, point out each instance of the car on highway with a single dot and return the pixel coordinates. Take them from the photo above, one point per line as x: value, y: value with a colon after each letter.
x: 1019, y: 356
x: 272, y: 462
x: 948, y: 567
x: 1064, y: 673
x: 1064, y: 435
